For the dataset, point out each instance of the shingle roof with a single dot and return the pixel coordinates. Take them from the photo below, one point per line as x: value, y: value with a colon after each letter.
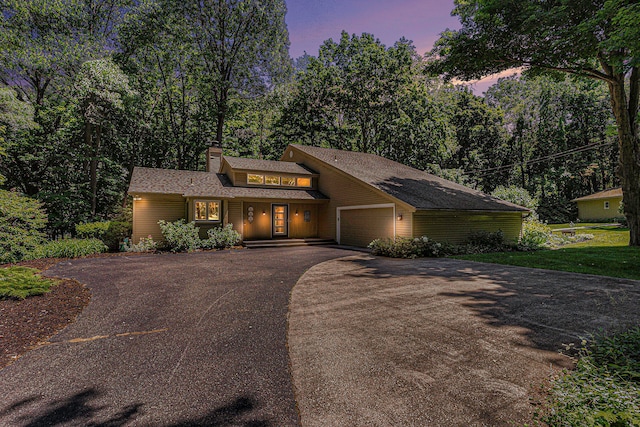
x: 412, y: 186
x: 206, y: 184
x: 606, y: 194
x: 240, y: 163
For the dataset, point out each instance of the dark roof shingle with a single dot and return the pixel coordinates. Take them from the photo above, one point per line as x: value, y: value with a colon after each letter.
x: 417, y: 188
x: 605, y: 194
x: 240, y: 163
x: 206, y: 184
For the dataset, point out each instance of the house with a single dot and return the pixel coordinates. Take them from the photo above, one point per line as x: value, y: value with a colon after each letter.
x: 600, y: 205
x: 352, y: 198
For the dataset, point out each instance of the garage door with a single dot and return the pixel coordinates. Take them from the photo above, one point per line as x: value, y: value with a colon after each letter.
x: 358, y: 227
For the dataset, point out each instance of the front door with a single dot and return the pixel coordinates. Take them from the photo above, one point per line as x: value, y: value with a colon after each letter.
x: 280, y: 215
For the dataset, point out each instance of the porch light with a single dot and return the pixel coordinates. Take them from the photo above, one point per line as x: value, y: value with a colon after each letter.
x: 264, y: 212
x: 137, y: 198
x: 296, y: 212
x: 399, y: 217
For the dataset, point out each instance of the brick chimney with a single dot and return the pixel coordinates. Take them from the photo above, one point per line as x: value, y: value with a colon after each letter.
x: 213, y: 158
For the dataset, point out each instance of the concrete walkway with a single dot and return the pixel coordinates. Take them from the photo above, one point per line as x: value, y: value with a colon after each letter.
x: 439, y: 342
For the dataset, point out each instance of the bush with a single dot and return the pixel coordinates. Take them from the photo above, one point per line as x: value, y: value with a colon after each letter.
x: 92, y: 230
x: 21, y: 222
x: 403, y: 247
x: 110, y: 232
x: 221, y: 237
x: 603, y: 389
x: 180, y: 237
x: 68, y: 248
x: 144, y: 245
x: 21, y: 282
x: 116, y: 233
x: 535, y: 235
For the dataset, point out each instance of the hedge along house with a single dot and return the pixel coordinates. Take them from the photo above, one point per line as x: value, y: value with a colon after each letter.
x: 600, y: 205
x: 352, y: 198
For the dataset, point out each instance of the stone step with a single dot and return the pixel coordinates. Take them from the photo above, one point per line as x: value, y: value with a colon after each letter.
x: 281, y: 243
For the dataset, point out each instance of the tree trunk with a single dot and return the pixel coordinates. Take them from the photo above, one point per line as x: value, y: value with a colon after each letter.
x: 94, y: 171
x: 629, y: 159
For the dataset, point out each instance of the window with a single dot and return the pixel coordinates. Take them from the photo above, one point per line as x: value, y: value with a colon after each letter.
x: 289, y: 181
x: 272, y: 180
x: 606, y: 205
x: 304, y: 182
x: 207, y: 210
x: 255, y: 179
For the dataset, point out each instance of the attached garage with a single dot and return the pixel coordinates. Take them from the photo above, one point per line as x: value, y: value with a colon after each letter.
x: 360, y: 225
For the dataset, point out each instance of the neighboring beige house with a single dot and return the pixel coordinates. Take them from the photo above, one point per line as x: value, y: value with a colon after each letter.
x: 352, y: 198
x: 600, y: 205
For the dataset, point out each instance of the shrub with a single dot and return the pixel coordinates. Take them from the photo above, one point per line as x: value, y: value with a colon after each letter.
x: 535, y: 235
x: 481, y: 242
x: 144, y: 245
x: 403, y: 247
x: 21, y: 282
x: 116, y: 232
x: 68, y: 248
x: 21, y: 222
x: 110, y: 232
x: 92, y: 230
x: 221, y: 237
x: 180, y: 236
x: 603, y: 389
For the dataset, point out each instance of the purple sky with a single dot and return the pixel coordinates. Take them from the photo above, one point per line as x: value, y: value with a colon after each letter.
x: 311, y: 22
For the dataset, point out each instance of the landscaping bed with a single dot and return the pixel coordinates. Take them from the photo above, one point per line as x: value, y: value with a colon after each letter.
x: 26, y: 323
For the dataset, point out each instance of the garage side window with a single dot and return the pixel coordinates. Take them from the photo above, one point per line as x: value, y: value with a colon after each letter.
x: 207, y: 210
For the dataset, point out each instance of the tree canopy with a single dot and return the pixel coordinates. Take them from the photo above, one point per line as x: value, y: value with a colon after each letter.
x: 596, y: 39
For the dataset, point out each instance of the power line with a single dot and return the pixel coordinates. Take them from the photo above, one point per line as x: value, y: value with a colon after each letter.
x: 490, y: 171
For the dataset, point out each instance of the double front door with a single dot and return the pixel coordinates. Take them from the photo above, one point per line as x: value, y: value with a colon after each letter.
x: 280, y: 218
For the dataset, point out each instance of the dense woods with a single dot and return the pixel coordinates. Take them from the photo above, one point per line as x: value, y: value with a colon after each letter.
x: 90, y: 89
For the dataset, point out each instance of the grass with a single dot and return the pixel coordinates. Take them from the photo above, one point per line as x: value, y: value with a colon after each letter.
x: 608, y: 254
x: 21, y: 282
x: 604, y: 388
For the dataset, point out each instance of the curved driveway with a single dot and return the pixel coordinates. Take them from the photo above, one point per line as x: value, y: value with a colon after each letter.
x: 197, y: 339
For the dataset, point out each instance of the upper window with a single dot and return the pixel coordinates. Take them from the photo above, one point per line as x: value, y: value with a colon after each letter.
x: 289, y: 181
x: 606, y: 205
x: 255, y: 179
x: 304, y: 182
x: 208, y: 210
x: 272, y: 180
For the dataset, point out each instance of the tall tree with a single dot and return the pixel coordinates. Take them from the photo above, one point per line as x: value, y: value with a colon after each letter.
x: 360, y: 95
x: 598, y: 39
x: 241, y: 47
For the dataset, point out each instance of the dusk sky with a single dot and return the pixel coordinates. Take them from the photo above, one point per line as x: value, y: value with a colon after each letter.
x: 311, y: 22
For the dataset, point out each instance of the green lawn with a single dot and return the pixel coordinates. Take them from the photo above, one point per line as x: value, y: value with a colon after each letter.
x: 606, y: 255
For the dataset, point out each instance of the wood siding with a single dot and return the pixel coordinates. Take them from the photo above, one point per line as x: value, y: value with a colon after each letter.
x: 298, y: 228
x: 342, y: 191
x: 260, y: 228
x: 359, y: 227
x: 151, y: 209
x: 594, y: 209
x: 455, y: 227
x: 234, y: 215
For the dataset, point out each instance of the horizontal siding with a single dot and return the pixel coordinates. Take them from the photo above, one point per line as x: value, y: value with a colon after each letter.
x: 455, y: 227
x: 234, y: 215
x: 151, y: 209
x: 594, y: 209
x: 341, y: 190
x: 298, y: 228
x: 404, y: 226
x: 359, y: 227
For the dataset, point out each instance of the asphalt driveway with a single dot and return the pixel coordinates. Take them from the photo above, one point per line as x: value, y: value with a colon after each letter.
x: 439, y: 342
x: 168, y: 340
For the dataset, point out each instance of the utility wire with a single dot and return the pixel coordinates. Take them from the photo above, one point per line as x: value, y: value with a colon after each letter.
x: 490, y: 171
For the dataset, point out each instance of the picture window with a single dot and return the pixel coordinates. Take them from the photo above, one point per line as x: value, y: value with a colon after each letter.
x: 207, y: 210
